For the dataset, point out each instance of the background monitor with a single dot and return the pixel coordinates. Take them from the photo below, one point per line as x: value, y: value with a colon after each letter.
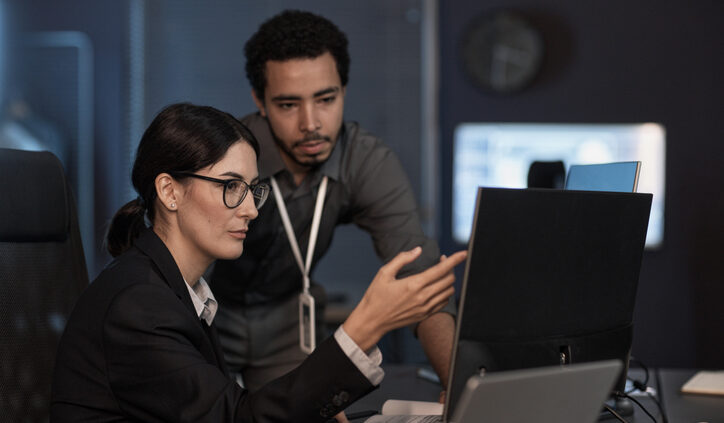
x: 501, y: 155
x: 551, y: 278
x: 619, y: 176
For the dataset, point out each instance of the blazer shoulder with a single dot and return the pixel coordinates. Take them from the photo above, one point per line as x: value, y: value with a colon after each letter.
x: 131, y: 268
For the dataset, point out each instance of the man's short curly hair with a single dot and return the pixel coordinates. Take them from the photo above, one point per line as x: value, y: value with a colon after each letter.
x: 293, y: 34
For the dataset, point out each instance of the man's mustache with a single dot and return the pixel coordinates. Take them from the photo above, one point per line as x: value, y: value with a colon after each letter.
x: 313, y: 136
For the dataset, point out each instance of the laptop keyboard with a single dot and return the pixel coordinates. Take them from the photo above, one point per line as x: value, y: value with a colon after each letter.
x: 404, y: 419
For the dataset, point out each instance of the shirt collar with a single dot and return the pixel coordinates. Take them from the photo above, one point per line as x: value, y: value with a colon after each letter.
x: 204, y: 300
x: 270, y: 159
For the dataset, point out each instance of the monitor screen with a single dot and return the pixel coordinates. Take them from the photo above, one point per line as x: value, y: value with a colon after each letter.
x: 550, y: 278
x: 617, y: 176
x: 501, y: 154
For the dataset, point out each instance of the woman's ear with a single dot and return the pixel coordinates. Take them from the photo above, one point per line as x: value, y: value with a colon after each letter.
x: 167, y: 191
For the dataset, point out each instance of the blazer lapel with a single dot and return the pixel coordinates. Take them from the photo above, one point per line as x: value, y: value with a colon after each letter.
x: 218, y: 352
x: 151, y: 245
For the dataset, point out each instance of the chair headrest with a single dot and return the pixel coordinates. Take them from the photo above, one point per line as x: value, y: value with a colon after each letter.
x: 34, y: 202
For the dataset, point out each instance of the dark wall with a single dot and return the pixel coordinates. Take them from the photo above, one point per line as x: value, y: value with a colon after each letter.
x: 105, y: 24
x: 628, y: 62
x: 192, y: 51
x: 616, y: 61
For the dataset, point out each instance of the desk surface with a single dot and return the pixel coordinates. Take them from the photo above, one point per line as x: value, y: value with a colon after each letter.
x: 401, y: 382
x: 688, y: 407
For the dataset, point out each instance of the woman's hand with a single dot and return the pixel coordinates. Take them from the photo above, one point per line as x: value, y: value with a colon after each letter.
x: 390, y: 303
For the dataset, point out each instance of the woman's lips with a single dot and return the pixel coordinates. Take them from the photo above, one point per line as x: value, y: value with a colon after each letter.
x: 241, y: 234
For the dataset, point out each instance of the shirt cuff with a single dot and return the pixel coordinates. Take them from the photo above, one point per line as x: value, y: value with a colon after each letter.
x: 367, y: 363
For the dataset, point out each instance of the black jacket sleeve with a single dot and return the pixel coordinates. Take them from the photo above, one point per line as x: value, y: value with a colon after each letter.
x: 158, y: 370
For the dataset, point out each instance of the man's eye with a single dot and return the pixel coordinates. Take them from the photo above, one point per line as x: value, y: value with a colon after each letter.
x: 286, y: 106
x: 328, y: 100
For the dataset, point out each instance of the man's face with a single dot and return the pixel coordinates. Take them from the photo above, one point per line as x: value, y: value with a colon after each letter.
x: 304, y: 103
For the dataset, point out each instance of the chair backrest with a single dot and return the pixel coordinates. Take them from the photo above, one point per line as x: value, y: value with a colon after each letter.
x: 42, y: 272
x: 546, y: 174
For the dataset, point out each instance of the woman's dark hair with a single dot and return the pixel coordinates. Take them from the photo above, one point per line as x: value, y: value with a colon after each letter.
x: 182, y: 138
x: 293, y: 34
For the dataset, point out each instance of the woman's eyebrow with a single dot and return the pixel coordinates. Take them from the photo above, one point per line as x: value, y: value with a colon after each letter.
x: 237, y: 176
x: 233, y: 175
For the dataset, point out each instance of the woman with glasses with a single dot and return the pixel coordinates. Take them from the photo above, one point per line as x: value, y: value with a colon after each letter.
x: 140, y: 344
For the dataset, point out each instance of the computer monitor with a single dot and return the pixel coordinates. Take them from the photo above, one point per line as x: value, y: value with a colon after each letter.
x: 617, y: 176
x: 551, y: 278
x: 502, y: 154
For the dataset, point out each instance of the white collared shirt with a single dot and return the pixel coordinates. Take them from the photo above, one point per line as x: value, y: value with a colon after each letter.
x: 204, y: 301
x: 368, y: 362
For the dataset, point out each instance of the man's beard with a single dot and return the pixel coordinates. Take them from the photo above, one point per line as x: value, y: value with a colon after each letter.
x: 314, y: 136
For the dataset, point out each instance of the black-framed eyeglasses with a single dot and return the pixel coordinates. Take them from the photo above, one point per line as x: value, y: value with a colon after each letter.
x: 235, y: 189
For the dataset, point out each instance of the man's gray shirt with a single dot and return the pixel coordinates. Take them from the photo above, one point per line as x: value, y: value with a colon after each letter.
x: 367, y: 186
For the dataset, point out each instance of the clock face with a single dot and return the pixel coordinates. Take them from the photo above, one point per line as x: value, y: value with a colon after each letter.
x: 502, y: 52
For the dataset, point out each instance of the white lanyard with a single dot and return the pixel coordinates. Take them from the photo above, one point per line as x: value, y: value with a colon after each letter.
x: 321, y: 194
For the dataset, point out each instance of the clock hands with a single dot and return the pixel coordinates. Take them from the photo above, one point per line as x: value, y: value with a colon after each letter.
x: 503, y: 57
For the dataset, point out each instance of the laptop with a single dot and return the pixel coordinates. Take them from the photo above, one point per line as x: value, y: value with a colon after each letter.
x: 557, y: 394
x: 617, y: 176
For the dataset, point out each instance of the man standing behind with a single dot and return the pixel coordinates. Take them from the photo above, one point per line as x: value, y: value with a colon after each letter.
x: 297, y: 64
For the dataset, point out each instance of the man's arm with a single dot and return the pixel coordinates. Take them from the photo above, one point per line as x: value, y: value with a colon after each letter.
x: 436, y: 334
x: 385, y: 207
x: 382, y: 203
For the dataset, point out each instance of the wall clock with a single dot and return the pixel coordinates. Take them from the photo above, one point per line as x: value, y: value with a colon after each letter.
x: 502, y: 52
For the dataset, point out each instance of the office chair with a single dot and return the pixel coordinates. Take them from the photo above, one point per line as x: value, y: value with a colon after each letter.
x: 42, y: 273
x: 546, y: 174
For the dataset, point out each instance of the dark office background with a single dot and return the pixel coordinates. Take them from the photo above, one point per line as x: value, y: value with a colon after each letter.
x: 629, y: 62
x: 606, y: 62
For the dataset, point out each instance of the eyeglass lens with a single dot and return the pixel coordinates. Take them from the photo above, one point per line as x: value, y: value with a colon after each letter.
x: 236, y: 191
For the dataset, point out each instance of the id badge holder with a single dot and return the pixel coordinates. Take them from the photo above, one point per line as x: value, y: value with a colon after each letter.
x: 307, y: 336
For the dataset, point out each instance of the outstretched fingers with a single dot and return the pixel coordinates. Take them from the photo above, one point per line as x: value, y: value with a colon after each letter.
x: 441, y: 269
x: 393, y: 267
x: 439, y: 299
x: 434, y: 295
x: 440, y: 286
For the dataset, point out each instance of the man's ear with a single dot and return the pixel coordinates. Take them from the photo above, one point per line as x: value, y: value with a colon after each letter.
x: 166, y: 191
x: 259, y: 103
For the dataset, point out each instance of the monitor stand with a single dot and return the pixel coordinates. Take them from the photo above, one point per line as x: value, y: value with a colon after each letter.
x: 623, y: 406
